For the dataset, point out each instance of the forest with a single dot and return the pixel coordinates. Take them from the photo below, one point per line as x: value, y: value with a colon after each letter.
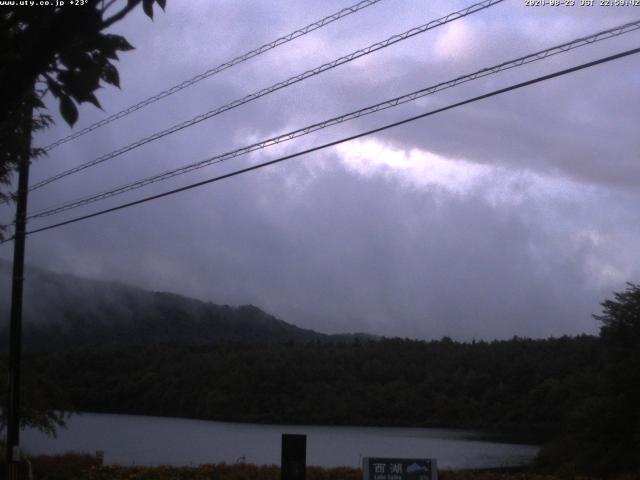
x: 512, y: 384
x: 578, y: 396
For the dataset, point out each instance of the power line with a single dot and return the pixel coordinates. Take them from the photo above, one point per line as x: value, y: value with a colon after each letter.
x: 540, y: 55
x: 223, y: 66
x: 343, y: 140
x: 277, y: 86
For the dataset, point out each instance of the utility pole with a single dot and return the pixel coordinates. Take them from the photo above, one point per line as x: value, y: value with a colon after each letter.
x: 15, y: 332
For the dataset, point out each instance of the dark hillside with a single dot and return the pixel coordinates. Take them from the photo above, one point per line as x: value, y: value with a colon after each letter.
x: 65, y: 312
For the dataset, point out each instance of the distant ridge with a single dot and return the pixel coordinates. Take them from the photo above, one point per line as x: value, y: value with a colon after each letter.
x: 64, y: 312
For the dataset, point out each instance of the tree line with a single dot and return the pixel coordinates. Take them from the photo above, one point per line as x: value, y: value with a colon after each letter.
x: 507, y: 384
x: 578, y: 394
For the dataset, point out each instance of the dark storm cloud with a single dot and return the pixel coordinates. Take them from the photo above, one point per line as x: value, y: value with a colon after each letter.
x: 339, y: 255
x: 527, y: 245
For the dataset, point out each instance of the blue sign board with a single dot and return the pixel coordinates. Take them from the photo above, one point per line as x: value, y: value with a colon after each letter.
x: 399, y: 468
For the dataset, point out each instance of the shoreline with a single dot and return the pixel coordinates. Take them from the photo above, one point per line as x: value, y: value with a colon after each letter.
x: 534, y: 435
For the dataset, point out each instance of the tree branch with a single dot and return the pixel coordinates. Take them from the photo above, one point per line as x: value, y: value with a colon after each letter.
x: 107, y: 6
x: 120, y: 15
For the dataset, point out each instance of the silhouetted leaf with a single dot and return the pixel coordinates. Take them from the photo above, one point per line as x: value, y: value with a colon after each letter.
x: 91, y: 98
x: 68, y: 110
x: 37, y: 103
x: 81, y: 85
x: 147, y: 6
x: 117, y: 42
x: 100, y: 58
x: 105, y: 45
x: 54, y: 87
x: 162, y: 3
x: 110, y: 75
x: 76, y: 59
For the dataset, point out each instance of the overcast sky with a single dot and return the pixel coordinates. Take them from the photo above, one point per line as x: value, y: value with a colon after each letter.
x: 515, y: 215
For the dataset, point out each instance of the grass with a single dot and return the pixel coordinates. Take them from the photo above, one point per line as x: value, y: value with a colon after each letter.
x: 84, y: 467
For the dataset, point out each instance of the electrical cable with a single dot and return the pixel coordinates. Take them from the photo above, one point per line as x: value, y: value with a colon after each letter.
x: 337, y: 142
x: 223, y: 66
x: 540, y: 55
x: 277, y: 86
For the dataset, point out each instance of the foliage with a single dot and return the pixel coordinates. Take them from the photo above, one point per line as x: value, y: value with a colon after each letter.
x: 82, y: 467
x: 602, y: 433
x: 504, y: 384
x: 62, y: 50
x: 187, y: 358
x: 12, y: 150
x: 37, y: 393
x: 63, y: 467
x: 79, y: 466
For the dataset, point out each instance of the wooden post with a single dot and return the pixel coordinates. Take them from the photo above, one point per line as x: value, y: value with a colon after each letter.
x: 15, y: 328
x: 294, y: 457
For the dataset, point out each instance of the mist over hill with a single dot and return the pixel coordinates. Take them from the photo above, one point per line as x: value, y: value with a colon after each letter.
x: 63, y: 312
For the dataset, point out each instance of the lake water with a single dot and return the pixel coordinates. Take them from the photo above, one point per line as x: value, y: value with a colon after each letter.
x: 140, y: 440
